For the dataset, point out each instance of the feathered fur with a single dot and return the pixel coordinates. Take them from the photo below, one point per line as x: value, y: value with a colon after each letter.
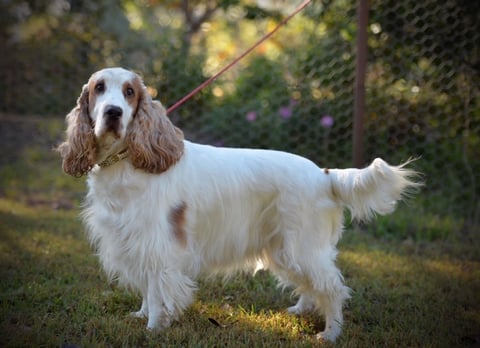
x: 79, y: 152
x: 154, y: 143
x: 173, y: 210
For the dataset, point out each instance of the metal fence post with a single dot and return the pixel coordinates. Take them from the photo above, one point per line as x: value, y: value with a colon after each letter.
x: 359, y: 93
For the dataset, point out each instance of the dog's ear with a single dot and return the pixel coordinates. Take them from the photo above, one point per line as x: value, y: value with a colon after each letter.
x: 79, y: 149
x: 154, y: 143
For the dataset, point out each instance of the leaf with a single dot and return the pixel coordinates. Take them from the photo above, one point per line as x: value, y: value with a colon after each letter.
x: 216, y: 323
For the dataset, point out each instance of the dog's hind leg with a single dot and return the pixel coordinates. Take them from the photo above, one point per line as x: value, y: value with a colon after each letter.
x: 143, y: 312
x: 328, y: 291
x: 320, y: 286
x: 330, y: 302
x: 304, y: 304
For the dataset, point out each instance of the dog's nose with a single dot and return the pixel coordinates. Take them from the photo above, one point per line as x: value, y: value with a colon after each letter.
x: 113, y: 111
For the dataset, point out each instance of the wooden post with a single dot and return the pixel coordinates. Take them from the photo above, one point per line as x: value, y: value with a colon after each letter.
x: 360, y: 72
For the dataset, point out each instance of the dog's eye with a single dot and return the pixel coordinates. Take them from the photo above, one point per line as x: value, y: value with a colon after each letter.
x: 129, y: 92
x: 100, y: 87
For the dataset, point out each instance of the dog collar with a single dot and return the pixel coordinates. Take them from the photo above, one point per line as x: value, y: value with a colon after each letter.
x: 112, y: 159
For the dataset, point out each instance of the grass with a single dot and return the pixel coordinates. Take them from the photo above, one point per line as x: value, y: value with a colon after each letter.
x: 418, y: 287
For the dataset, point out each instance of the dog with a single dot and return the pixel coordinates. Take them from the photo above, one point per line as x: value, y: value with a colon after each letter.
x: 161, y: 210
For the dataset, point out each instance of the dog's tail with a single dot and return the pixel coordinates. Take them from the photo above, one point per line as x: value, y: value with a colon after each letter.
x: 375, y: 189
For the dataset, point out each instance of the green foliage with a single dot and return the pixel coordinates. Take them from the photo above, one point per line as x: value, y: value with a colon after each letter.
x: 256, y: 111
x: 414, y: 104
x: 294, y: 93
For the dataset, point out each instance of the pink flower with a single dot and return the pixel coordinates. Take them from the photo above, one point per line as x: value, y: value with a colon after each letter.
x: 251, y: 116
x: 285, y: 112
x: 327, y: 121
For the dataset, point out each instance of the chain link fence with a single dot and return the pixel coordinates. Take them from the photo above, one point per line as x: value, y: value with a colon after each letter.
x: 294, y: 93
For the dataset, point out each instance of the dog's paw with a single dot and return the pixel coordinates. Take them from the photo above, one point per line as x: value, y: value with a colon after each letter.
x: 139, y: 314
x: 295, y: 310
x: 300, y: 308
x: 327, y: 335
x: 159, y: 324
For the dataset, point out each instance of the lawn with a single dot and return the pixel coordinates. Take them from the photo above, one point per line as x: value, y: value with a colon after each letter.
x: 415, y: 277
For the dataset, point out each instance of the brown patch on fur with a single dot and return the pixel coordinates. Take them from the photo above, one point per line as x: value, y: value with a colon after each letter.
x: 326, y: 171
x: 177, y: 220
x: 136, y: 86
x: 92, y: 92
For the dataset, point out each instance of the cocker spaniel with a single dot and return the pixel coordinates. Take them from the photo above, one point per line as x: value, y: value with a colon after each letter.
x: 161, y: 210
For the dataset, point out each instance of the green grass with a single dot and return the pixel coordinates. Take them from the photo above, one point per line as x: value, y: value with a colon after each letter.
x: 415, y: 277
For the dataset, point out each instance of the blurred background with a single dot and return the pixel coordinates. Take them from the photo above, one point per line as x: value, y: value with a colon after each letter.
x: 294, y: 93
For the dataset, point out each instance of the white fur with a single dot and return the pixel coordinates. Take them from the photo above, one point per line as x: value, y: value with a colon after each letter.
x: 243, y: 207
x: 114, y: 81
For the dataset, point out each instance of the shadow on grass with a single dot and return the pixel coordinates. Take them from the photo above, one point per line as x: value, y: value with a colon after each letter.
x: 421, y: 297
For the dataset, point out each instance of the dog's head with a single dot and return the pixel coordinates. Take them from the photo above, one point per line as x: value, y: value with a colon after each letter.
x: 115, y: 113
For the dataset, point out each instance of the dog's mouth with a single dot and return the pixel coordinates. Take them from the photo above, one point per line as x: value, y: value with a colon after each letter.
x: 109, y: 131
x: 109, y: 135
x: 112, y: 126
x: 108, y: 143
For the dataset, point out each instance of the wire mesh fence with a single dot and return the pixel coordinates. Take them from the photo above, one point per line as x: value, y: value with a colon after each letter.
x: 294, y: 93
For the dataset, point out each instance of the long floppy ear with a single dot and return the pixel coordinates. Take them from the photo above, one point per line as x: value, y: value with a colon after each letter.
x: 79, y: 149
x: 154, y: 143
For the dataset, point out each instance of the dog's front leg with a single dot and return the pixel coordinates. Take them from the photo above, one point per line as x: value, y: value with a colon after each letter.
x: 169, y: 293
x: 159, y: 315
x: 159, y: 318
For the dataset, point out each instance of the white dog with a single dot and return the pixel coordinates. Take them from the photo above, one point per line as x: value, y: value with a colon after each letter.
x: 161, y: 210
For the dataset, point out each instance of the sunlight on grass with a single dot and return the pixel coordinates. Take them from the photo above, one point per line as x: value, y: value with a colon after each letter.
x: 240, y: 321
x: 467, y: 270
